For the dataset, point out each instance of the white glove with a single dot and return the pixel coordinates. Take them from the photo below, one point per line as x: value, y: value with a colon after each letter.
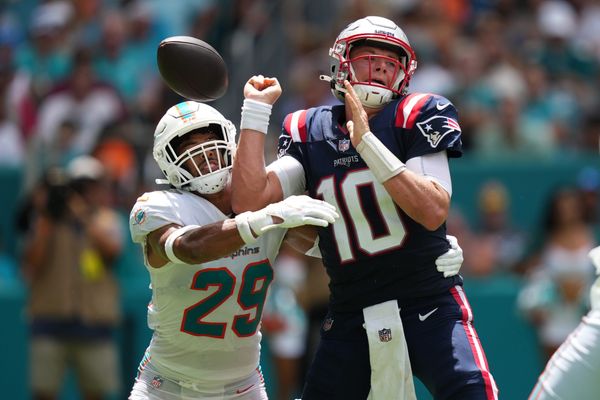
x: 450, y: 262
x: 293, y: 211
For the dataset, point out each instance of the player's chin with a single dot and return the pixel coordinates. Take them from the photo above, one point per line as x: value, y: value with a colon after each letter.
x: 209, y: 168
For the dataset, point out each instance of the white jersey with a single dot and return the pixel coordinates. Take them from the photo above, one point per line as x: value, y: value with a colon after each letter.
x: 573, y: 370
x: 206, y: 318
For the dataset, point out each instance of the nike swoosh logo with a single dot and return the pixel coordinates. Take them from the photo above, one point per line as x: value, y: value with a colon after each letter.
x: 424, y: 317
x: 244, y: 390
x: 441, y: 106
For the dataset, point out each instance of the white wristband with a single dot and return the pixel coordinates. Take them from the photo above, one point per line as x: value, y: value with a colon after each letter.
x: 255, y: 115
x: 171, y: 240
x: 382, y: 162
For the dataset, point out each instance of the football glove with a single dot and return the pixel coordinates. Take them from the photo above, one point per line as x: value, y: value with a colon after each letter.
x: 450, y: 262
x: 289, y: 213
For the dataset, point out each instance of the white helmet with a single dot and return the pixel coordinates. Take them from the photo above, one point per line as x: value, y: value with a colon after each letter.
x: 377, y: 32
x: 177, y: 122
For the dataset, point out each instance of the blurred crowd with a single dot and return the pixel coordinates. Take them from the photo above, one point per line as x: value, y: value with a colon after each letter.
x: 79, y: 78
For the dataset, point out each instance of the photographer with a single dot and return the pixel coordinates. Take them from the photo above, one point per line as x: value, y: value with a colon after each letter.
x: 73, y: 240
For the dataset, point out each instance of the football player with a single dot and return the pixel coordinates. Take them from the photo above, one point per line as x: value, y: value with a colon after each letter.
x: 382, y: 159
x: 573, y: 370
x: 209, y: 271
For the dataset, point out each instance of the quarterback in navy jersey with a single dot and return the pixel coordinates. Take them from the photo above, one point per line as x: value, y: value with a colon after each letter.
x: 382, y: 159
x: 374, y: 247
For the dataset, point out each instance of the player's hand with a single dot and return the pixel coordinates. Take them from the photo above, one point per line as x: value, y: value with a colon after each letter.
x: 359, y: 124
x: 289, y: 213
x: 263, y: 89
x: 450, y: 262
x: 300, y: 210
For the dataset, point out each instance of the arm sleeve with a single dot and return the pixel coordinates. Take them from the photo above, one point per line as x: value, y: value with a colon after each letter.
x: 290, y: 173
x: 433, y: 166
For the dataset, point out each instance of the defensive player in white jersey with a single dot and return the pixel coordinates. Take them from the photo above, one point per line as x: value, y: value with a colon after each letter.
x: 209, y: 272
x: 573, y: 371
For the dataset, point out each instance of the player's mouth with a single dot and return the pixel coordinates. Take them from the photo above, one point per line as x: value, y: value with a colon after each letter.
x: 211, y: 166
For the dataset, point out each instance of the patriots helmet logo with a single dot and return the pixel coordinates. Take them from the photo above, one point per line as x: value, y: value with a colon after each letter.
x: 436, y: 127
x: 284, y: 144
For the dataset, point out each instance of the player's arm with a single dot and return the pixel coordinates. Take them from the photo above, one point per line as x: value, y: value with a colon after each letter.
x: 299, y: 240
x: 253, y: 186
x: 195, y: 244
x: 198, y: 245
x: 423, y: 199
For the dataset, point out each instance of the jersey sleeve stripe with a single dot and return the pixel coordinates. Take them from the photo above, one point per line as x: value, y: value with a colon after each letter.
x: 287, y: 124
x: 298, y: 126
x: 409, y: 108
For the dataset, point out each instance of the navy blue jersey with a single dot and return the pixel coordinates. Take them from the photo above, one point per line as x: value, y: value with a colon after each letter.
x: 374, y: 252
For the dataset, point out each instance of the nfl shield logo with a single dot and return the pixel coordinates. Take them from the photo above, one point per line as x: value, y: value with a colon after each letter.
x: 344, y: 144
x: 156, y: 382
x: 385, y: 335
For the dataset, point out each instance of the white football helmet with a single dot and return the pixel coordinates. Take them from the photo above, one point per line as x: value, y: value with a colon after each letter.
x: 377, y: 32
x: 177, y: 122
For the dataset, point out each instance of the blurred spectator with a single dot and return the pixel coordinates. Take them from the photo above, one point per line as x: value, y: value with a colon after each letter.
x: 496, y: 245
x: 84, y: 97
x: 74, y: 305
x: 588, y: 184
x: 555, y: 297
x: 146, y: 30
x: 84, y: 106
x: 590, y: 135
x: 557, y: 22
x: 46, y: 58
x: 126, y: 52
x: 12, y: 147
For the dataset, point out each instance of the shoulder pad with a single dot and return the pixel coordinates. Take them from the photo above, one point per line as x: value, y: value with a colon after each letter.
x: 151, y: 211
x: 294, y: 125
x: 409, y: 108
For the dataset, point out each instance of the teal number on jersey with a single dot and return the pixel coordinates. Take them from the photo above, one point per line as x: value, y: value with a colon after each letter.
x: 253, y: 293
x: 192, y: 316
x: 256, y: 279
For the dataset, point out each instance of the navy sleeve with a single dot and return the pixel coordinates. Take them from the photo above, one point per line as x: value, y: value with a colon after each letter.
x: 286, y: 145
x: 435, y: 129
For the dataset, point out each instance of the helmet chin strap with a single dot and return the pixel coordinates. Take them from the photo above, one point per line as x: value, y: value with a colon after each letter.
x: 328, y: 79
x: 373, y: 97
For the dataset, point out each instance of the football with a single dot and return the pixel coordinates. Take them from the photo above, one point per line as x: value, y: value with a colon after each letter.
x: 192, y: 68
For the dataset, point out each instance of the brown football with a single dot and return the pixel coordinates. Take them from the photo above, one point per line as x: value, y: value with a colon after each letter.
x: 192, y: 68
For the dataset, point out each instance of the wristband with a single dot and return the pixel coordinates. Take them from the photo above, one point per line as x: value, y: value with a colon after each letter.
x: 171, y: 240
x: 255, y: 115
x: 382, y: 162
